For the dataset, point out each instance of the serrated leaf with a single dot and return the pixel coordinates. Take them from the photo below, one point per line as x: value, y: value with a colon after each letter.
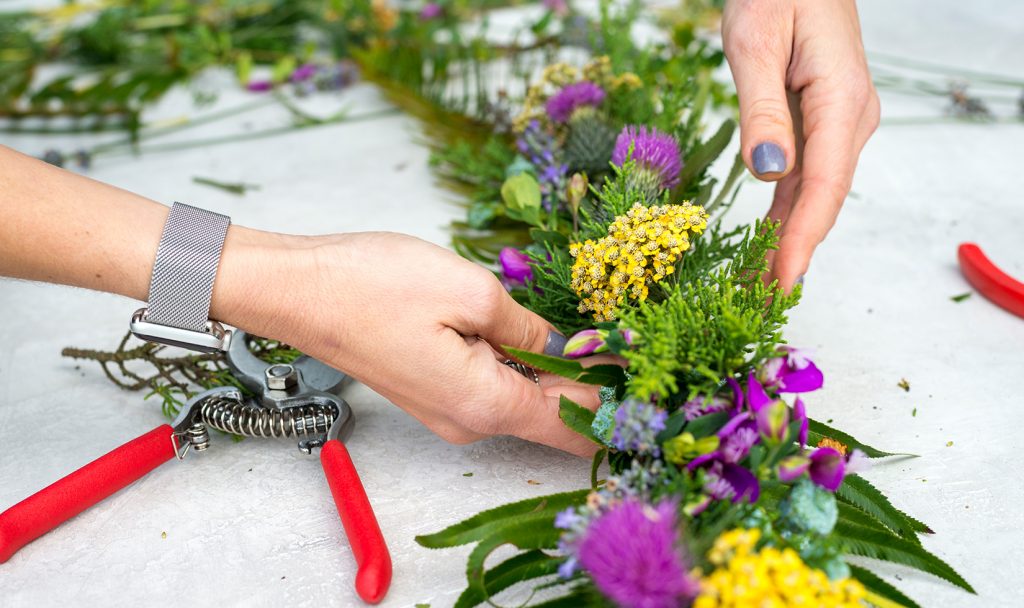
x: 857, y: 491
x: 871, y: 543
x: 855, y: 516
x: 577, y: 417
x: 819, y: 430
x: 486, y: 522
x: 522, y: 567
x: 530, y: 534
x: 876, y: 586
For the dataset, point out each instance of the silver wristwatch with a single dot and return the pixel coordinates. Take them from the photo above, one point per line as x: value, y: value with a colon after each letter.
x: 182, y: 285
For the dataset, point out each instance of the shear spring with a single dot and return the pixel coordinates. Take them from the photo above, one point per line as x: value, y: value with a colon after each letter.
x: 232, y: 416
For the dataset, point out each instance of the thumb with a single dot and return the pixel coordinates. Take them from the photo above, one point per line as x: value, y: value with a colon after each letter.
x: 501, y: 321
x: 758, y: 41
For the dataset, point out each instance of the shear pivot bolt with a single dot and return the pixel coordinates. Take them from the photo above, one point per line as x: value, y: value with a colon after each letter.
x: 281, y: 377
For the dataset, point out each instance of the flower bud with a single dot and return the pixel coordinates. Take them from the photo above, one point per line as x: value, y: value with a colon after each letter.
x: 773, y: 421
x: 792, y: 467
x: 515, y: 266
x: 586, y: 342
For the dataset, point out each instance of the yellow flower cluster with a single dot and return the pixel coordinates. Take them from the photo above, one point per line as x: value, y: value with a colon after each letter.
x: 558, y: 75
x: 828, y: 442
x: 642, y: 248
x: 769, y: 578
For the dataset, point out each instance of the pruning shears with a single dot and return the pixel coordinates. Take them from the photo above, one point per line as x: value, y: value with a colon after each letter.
x: 989, y: 280
x: 297, y: 400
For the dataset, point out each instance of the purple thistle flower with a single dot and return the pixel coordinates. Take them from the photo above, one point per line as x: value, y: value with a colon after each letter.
x: 653, y: 151
x: 572, y: 97
x: 637, y: 425
x: 431, y: 10
x: 633, y: 555
x: 515, y: 267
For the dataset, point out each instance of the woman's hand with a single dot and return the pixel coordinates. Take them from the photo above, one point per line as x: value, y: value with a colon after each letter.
x: 420, y: 326
x: 799, y: 67
x: 415, y: 322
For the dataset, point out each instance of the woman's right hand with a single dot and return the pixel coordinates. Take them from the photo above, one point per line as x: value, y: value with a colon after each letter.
x: 419, y: 325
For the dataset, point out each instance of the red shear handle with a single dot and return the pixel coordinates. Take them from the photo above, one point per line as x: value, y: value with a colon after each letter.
x: 371, y: 553
x: 991, y: 282
x: 62, y: 500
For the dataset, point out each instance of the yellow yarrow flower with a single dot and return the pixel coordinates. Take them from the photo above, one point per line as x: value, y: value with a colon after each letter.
x: 642, y: 248
x: 768, y: 578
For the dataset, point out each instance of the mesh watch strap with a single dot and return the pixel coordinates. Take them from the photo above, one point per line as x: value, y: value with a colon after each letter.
x: 186, y: 265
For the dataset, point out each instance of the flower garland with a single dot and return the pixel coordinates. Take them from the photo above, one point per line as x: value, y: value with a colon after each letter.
x: 722, y: 490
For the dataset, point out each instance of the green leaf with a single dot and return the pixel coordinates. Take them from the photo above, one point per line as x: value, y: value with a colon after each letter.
x: 528, y: 534
x: 577, y: 417
x: 602, y: 375
x: 551, y: 237
x: 707, y: 424
x: 852, y: 515
x: 243, y: 67
x: 819, y: 430
x: 701, y: 158
x: 595, y: 465
x: 857, y: 491
x: 874, y: 584
x: 486, y: 522
x: 872, y: 543
x: 521, y: 194
x: 480, y: 215
x: 522, y: 567
x: 673, y: 426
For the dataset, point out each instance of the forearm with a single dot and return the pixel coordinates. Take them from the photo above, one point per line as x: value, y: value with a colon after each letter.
x: 61, y: 227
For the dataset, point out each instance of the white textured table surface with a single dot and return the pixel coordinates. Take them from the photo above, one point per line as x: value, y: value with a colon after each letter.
x: 253, y: 523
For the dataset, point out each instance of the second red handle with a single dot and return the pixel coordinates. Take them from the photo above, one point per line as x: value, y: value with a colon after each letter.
x: 371, y: 552
x: 67, y: 497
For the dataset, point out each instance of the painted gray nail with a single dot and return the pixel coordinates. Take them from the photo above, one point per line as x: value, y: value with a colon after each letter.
x: 800, y: 280
x: 768, y: 158
x: 555, y: 345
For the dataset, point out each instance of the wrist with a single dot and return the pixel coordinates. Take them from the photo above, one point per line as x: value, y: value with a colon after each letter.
x: 256, y: 282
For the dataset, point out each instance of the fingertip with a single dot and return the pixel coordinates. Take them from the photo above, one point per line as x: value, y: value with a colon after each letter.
x: 769, y: 161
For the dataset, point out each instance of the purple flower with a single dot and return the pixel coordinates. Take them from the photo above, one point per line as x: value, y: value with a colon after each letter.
x: 572, y: 97
x: 559, y: 7
x: 543, y: 152
x: 431, y: 10
x: 632, y: 553
x: 792, y: 373
x: 637, y: 425
x: 731, y: 481
x: 259, y: 86
x: 827, y: 468
x: 701, y: 406
x: 800, y: 413
x: 736, y: 445
x: 586, y: 342
x: 652, y: 151
x: 515, y: 266
x: 304, y: 72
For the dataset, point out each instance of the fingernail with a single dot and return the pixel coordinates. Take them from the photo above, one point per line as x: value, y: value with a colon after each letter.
x: 555, y: 345
x: 768, y: 158
x: 800, y: 280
